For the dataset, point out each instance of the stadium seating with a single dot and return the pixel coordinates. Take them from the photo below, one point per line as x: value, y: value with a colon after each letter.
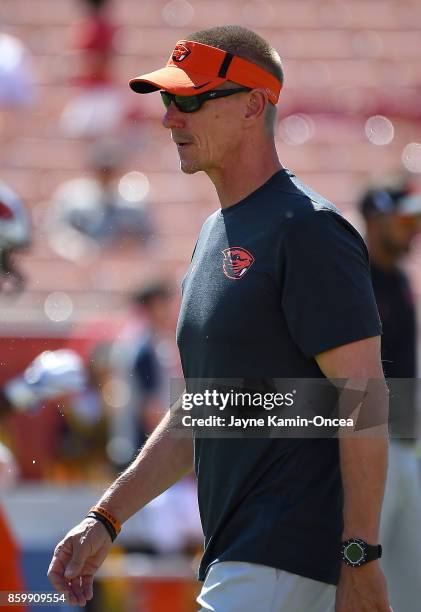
x: 344, y: 62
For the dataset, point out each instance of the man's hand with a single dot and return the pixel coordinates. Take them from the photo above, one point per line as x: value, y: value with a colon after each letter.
x: 77, y: 558
x: 362, y: 589
x: 163, y: 460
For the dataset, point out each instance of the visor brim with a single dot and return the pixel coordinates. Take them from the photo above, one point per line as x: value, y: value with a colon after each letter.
x: 175, y: 81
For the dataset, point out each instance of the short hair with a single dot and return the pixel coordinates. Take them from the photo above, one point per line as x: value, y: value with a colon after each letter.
x: 248, y: 45
x: 150, y: 291
x: 384, y: 196
x: 95, y: 5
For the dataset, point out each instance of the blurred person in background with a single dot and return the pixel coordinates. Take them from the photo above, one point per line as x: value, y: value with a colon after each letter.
x: 15, y: 232
x: 392, y: 212
x: 98, y: 108
x: 99, y: 210
x: 17, y: 86
x: 81, y: 452
x: 143, y: 359
x: 16, y: 73
x: 51, y: 375
x: 93, y: 41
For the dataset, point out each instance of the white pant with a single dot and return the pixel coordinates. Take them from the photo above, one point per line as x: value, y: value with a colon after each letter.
x: 233, y: 586
x: 400, y: 531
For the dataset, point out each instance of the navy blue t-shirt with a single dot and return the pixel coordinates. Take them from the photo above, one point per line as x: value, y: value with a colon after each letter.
x: 274, y: 280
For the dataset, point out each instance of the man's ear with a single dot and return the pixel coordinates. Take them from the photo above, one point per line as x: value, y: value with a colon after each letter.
x: 256, y: 105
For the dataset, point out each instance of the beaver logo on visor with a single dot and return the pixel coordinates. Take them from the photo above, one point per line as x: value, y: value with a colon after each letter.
x: 236, y: 262
x: 180, y: 53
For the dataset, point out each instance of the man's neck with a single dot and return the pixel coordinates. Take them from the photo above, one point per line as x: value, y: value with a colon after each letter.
x: 244, y: 173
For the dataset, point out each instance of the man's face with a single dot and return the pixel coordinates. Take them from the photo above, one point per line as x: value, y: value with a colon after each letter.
x: 208, y: 138
x: 160, y: 311
x: 397, y: 232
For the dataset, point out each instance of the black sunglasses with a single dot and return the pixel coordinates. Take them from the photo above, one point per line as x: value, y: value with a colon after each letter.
x: 190, y: 104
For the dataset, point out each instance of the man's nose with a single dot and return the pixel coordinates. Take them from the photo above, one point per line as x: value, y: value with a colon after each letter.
x: 173, y: 118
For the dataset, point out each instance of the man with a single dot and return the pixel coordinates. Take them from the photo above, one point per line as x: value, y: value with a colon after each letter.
x: 278, y: 287
x: 92, y: 213
x: 392, y: 212
x: 153, y: 360
x: 140, y: 358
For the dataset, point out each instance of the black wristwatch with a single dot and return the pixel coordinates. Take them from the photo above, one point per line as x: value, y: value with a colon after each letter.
x: 356, y: 552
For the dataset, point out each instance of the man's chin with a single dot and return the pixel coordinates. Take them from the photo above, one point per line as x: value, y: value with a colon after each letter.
x: 187, y: 168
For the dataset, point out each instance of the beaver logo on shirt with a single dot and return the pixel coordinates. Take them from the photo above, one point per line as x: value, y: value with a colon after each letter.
x: 236, y: 262
x: 180, y: 53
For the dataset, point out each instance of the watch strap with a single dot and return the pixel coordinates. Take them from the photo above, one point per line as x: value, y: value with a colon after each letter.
x: 373, y: 552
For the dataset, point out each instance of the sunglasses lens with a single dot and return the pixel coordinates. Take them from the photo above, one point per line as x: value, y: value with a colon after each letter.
x: 187, y: 104
x: 166, y: 98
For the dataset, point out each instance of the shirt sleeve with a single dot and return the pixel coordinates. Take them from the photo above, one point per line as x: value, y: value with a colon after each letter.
x: 327, y: 295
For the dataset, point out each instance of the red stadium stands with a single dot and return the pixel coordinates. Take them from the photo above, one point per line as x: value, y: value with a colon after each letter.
x: 343, y: 63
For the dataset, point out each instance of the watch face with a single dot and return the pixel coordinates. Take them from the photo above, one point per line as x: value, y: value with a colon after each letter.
x: 354, y: 552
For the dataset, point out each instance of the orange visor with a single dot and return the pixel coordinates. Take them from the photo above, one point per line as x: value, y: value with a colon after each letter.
x: 195, y: 68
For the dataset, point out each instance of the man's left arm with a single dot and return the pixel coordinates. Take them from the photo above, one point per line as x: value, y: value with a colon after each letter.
x: 363, y: 458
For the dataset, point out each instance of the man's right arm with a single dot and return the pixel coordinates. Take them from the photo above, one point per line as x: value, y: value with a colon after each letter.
x: 164, y: 459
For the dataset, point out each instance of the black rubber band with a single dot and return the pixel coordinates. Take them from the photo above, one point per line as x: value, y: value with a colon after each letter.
x: 225, y: 65
x: 108, y: 526
x: 374, y: 552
